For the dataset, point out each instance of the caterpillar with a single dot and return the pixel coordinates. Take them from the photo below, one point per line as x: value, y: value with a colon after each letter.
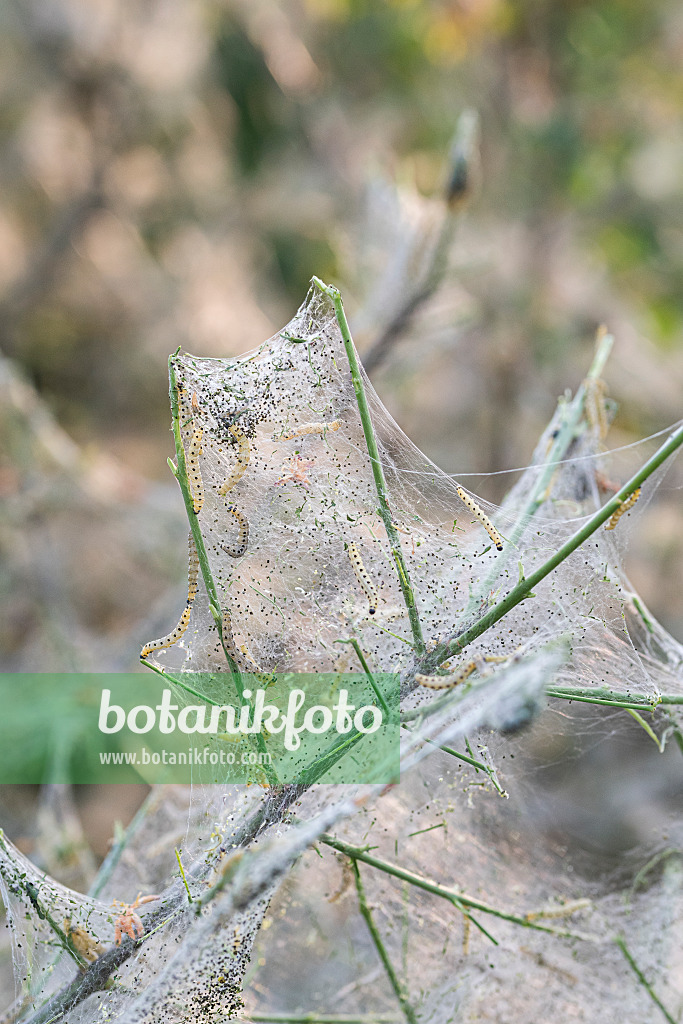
x: 312, y: 428
x: 565, y: 910
x: 243, y: 456
x: 449, y: 681
x: 192, y: 587
x: 194, y: 473
x: 267, y: 678
x: 594, y: 405
x: 228, y: 638
x: 363, y: 577
x: 237, y: 550
x: 482, y: 517
x: 624, y: 507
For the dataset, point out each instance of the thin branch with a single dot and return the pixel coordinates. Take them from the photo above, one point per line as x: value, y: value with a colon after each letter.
x: 458, y: 899
x: 366, y: 668
x: 377, y: 470
x: 366, y: 912
x: 570, y: 415
x: 524, y: 589
x: 643, y: 980
x: 459, y: 189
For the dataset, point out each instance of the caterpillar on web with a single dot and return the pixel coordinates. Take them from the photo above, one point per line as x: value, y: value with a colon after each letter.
x: 449, y: 681
x: 482, y: 517
x: 311, y: 428
x: 267, y: 678
x: 194, y: 473
x: 192, y: 587
x: 237, y: 550
x: 624, y: 507
x: 363, y: 577
x: 243, y: 456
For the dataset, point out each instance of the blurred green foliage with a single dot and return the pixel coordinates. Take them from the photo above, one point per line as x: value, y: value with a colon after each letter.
x: 250, y: 109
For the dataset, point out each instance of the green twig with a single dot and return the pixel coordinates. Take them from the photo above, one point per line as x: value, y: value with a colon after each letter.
x: 182, y: 875
x: 180, y: 473
x: 524, y: 589
x: 614, y: 698
x: 571, y: 413
x: 371, y: 679
x: 108, y: 865
x: 660, y: 743
x: 479, y: 765
x: 366, y: 913
x: 33, y: 895
x: 377, y: 470
x: 459, y: 899
x: 643, y: 980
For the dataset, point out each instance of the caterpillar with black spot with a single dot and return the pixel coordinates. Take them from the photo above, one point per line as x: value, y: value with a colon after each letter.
x: 192, y: 587
x: 624, y: 507
x: 449, y: 681
x: 194, y: 473
x: 481, y: 516
x: 237, y: 550
x: 267, y: 678
x: 312, y: 428
x: 243, y: 456
x: 363, y: 577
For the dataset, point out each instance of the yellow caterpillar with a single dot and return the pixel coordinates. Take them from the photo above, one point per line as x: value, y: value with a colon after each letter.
x: 624, y: 507
x: 192, y: 587
x: 363, y: 577
x: 237, y: 550
x: 243, y: 456
x: 449, y: 681
x: 194, y: 473
x: 482, y: 517
x: 312, y: 428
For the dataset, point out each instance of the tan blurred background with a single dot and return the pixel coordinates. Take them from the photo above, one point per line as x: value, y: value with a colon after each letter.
x: 174, y: 171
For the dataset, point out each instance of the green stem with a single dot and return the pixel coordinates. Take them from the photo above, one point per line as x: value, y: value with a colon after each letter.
x: 182, y: 875
x: 180, y: 474
x: 371, y: 679
x: 33, y: 895
x: 479, y: 765
x: 214, y: 601
x: 566, y: 434
x: 377, y: 470
x: 524, y: 589
x: 366, y: 913
x: 153, y: 799
x: 452, y: 895
x: 571, y: 414
x: 614, y: 697
x: 643, y: 980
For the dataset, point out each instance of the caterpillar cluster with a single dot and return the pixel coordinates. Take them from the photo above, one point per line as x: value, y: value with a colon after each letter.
x: 449, y: 681
x: 481, y: 516
x: 192, y: 587
x: 363, y: 577
x: 624, y: 507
